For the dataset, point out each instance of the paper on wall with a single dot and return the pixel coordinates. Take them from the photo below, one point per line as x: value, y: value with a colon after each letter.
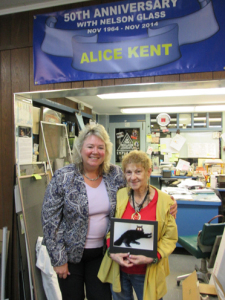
x: 165, y: 146
x: 201, y: 150
x: 177, y: 142
x: 149, y: 138
x: 149, y: 150
x: 155, y: 140
x: 24, y: 150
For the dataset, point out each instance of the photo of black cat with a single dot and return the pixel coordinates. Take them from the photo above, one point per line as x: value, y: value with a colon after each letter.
x: 131, y: 236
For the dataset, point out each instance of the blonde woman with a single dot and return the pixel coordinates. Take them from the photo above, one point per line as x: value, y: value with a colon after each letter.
x: 77, y: 207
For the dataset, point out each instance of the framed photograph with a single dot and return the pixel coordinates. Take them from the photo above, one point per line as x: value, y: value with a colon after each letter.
x: 24, y: 131
x: 135, y: 236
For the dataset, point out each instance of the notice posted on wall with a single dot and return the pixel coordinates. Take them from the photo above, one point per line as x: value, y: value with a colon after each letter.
x: 24, y: 150
x: 24, y: 113
x: 177, y: 142
x: 201, y: 150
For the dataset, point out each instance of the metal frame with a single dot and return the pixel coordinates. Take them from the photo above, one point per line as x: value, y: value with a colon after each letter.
x: 33, y: 292
x: 33, y: 163
x: 4, y: 260
x: 46, y: 150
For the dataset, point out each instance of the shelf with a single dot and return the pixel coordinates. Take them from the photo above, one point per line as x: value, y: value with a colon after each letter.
x: 176, y: 177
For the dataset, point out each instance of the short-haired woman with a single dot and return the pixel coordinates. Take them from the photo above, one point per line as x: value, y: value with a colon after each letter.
x: 141, y: 201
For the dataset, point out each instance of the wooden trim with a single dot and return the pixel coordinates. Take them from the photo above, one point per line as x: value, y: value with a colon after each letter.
x: 19, y: 46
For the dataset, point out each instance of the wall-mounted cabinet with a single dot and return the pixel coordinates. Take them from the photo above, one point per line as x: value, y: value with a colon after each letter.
x: 210, y: 121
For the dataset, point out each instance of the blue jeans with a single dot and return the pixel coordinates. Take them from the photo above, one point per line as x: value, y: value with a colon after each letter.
x: 127, y: 282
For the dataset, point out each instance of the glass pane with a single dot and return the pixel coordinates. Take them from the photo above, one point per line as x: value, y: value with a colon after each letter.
x: 184, y: 121
x: 126, y: 140
x: 173, y: 121
x: 154, y: 124
x: 200, y: 120
x: 215, y: 120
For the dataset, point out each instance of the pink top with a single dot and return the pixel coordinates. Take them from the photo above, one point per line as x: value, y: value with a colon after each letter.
x: 99, y: 207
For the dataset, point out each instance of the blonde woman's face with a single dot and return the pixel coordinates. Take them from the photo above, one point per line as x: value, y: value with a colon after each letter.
x: 93, y: 152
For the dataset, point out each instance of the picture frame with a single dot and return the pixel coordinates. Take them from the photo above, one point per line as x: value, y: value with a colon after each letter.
x: 137, y: 237
x: 24, y: 131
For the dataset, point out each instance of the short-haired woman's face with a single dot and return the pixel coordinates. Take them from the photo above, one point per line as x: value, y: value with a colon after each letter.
x: 136, y: 176
x: 93, y: 152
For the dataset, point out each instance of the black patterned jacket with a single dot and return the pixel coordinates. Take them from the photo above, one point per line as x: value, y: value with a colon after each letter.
x: 65, y: 212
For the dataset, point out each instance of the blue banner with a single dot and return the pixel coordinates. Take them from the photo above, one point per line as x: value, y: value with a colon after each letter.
x: 129, y: 39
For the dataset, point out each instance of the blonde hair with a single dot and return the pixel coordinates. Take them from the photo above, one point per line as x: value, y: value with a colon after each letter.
x: 99, y: 131
x: 136, y: 157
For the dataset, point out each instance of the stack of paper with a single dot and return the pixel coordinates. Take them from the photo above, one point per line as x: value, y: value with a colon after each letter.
x: 188, y: 183
x: 178, y: 193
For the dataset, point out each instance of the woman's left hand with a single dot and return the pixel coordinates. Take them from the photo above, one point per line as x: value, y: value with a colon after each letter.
x: 173, y: 208
x: 121, y: 259
x: 139, y: 259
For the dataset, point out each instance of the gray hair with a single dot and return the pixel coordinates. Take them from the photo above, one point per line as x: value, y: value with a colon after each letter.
x: 99, y: 131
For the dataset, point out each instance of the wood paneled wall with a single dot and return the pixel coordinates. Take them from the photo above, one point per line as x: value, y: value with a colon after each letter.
x: 16, y: 75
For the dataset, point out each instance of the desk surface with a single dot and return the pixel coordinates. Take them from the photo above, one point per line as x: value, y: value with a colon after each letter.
x: 220, y: 189
x: 193, y: 213
x: 192, y: 196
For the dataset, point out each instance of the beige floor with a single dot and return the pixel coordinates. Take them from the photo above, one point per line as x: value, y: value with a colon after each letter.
x: 179, y: 264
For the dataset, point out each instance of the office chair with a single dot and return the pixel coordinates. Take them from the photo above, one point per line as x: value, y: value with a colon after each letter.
x: 202, y: 245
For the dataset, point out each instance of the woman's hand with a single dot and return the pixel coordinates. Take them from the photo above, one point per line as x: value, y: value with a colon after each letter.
x: 62, y: 271
x: 173, y: 208
x: 121, y: 259
x: 139, y: 259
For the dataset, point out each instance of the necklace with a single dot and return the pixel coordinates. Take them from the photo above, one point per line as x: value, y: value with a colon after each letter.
x: 92, y: 179
x: 136, y: 215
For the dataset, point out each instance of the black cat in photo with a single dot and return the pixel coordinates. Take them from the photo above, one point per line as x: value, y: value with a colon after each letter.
x: 130, y: 236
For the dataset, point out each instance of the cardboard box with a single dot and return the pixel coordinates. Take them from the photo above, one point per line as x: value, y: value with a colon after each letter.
x: 36, y: 120
x: 190, y: 288
x: 193, y: 290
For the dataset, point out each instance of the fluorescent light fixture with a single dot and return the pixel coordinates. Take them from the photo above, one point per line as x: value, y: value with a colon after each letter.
x: 198, y: 119
x: 214, y: 119
x: 172, y: 109
x: 166, y: 93
x: 159, y: 109
x: 210, y: 108
x: 204, y: 118
x: 199, y: 124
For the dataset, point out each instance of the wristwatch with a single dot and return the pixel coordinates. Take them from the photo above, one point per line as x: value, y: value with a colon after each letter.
x: 155, y: 260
